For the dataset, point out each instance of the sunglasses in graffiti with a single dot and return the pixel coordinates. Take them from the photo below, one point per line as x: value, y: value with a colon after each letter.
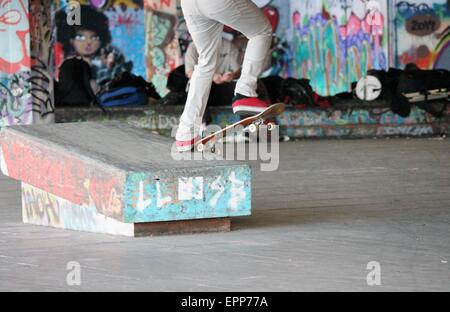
x: 407, y: 9
x: 83, y: 37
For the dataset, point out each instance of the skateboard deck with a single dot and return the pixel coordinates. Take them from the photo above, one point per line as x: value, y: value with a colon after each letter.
x: 251, y: 123
x: 436, y: 94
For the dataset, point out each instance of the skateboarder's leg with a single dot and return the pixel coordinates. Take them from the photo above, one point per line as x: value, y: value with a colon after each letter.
x: 246, y: 17
x: 207, y: 35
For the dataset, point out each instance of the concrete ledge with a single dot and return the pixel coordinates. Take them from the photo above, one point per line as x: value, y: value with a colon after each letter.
x: 108, y: 176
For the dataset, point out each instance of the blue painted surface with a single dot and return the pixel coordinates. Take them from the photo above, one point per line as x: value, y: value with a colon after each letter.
x: 195, y: 193
x: 131, y: 30
x: 355, y: 123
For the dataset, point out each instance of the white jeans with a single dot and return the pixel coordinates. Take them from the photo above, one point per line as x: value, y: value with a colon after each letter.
x: 205, y: 20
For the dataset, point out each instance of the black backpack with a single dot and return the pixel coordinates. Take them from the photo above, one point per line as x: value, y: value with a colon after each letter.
x: 297, y: 91
x: 402, y: 88
x: 177, y: 80
x: 127, y: 89
x: 74, y: 85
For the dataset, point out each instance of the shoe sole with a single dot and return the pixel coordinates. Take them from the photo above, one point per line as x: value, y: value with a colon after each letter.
x: 183, y: 149
x: 242, y: 110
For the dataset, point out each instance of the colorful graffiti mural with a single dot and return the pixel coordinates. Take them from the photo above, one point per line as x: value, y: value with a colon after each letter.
x: 422, y: 32
x: 277, y: 12
x: 162, y: 47
x: 331, y: 42
x: 125, y: 38
x: 41, y: 43
x: 14, y: 29
x: 42, y: 208
x: 15, y: 99
x: 335, y: 42
x: 15, y: 62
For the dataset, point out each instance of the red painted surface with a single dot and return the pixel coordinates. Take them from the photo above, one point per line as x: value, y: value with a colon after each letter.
x: 14, y: 27
x: 64, y: 175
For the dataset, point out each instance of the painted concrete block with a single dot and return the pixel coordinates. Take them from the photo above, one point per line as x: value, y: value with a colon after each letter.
x: 42, y: 208
x: 120, y: 173
x: 177, y: 195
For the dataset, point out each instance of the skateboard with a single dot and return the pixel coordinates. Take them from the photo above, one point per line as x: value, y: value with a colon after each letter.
x: 250, y: 124
x: 436, y: 94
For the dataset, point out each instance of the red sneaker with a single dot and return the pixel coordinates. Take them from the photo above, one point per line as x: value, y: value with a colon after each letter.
x: 243, y: 105
x: 186, y: 146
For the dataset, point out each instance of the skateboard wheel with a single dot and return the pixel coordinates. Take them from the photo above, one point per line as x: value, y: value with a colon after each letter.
x: 270, y: 126
x: 252, y: 128
x: 200, y: 147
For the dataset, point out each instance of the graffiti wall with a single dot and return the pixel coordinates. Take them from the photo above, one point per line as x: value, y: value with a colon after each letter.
x: 41, y: 78
x: 331, y: 42
x: 335, y: 42
x: 116, y: 31
x: 422, y: 31
x: 162, y: 48
x: 277, y: 12
x: 15, y: 62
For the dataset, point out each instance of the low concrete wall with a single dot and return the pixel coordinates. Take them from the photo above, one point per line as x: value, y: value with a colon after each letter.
x: 345, y: 121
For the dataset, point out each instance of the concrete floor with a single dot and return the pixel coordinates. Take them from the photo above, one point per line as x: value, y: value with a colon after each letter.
x: 333, y: 207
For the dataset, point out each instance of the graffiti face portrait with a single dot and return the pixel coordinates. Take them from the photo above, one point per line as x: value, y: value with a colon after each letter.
x: 85, y: 39
x: 14, y: 29
x: 86, y: 43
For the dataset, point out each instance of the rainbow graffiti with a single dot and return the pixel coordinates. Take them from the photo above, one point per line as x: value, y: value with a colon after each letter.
x: 15, y: 63
x: 441, y: 53
x: 423, y: 34
x: 332, y: 54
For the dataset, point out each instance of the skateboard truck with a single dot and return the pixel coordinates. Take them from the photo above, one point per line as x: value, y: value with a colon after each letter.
x: 252, y: 128
x: 250, y: 124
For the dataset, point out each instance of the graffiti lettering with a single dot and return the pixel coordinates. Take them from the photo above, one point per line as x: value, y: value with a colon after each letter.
x: 41, y: 87
x: 423, y: 25
x: 39, y: 207
x: 406, y: 131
